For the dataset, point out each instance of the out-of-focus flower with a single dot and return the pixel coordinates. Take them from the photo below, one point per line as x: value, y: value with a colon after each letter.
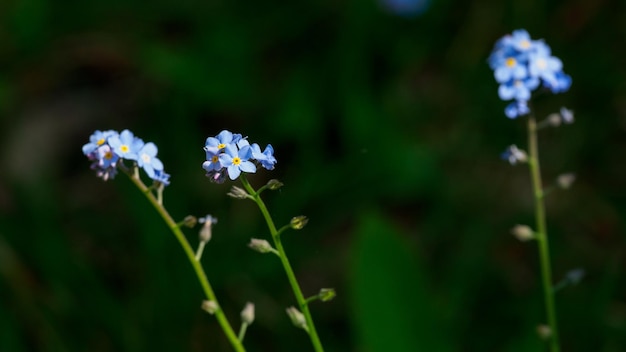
x: 520, y: 66
x: 514, y: 155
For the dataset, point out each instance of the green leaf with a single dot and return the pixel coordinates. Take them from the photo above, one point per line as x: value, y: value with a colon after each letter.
x: 392, y: 306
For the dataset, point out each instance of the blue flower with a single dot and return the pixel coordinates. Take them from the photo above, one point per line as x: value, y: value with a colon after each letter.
x: 105, y: 162
x: 516, y: 109
x: 520, y: 40
x: 266, y: 158
x: 561, y: 83
x: 518, y: 89
x: 107, y: 149
x: 97, y: 139
x: 162, y: 177
x: 543, y: 65
x: 148, y: 161
x: 126, y: 145
x: 217, y: 144
x: 521, y: 65
x: 405, y: 8
x: 235, y: 161
x: 514, y: 155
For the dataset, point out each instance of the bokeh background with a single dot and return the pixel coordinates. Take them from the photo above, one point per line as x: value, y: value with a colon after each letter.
x: 387, y: 129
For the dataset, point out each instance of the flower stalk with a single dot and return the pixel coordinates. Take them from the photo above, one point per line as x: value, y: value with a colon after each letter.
x: 302, y: 302
x: 191, y: 256
x: 541, y: 234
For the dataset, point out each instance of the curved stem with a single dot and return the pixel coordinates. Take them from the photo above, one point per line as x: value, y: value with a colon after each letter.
x: 202, y: 278
x: 542, y: 235
x: 302, y: 303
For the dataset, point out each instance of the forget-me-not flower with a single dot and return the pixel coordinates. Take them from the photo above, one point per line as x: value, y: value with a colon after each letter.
x: 235, y: 161
x: 520, y: 66
x: 126, y: 145
x: 107, y: 149
x: 230, y: 154
x: 148, y: 161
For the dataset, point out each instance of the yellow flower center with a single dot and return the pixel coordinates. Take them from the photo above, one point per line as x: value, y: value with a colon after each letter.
x: 108, y: 155
x: 124, y: 148
x: 221, y: 146
x: 510, y: 62
x: 100, y: 141
x: 236, y: 160
x: 215, y: 158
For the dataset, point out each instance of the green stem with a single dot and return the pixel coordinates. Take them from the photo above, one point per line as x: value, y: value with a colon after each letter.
x: 204, y: 281
x: 302, y: 303
x: 542, y: 235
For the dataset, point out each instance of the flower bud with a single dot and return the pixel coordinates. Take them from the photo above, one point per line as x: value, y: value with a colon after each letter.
x: 190, y: 221
x: 297, y: 318
x: 523, y: 233
x: 298, y: 222
x: 326, y: 294
x: 544, y: 331
x: 565, y: 181
x: 205, y: 231
x: 209, y: 306
x: 261, y: 246
x: 274, y: 184
x: 514, y: 155
x: 247, y: 314
x: 575, y: 276
x: 554, y: 120
x: 238, y: 193
x: 567, y: 115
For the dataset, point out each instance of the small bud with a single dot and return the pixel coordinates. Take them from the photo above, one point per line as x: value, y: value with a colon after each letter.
x: 567, y: 115
x: 190, y: 221
x: 554, y: 120
x: 575, y: 276
x: 565, y: 181
x: 514, y: 155
x: 247, y: 314
x: 274, y: 184
x: 209, y: 306
x: 261, y: 246
x: 205, y: 231
x: 326, y: 294
x: 238, y: 193
x: 544, y: 331
x: 298, y: 222
x: 523, y: 233
x: 297, y: 318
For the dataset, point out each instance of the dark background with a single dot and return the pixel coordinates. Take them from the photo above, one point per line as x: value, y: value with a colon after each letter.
x: 387, y: 129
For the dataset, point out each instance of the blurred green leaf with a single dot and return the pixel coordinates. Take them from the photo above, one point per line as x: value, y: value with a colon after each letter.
x: 392, y: 305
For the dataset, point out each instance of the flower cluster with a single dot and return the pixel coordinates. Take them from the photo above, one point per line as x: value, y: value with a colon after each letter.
x: 520, y: 66
x: 108, y: 149
x: 232, y: 154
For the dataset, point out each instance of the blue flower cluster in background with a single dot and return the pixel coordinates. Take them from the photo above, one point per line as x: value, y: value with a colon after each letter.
x: 232, y: 154
x: 520, y: 66
x: 405, y: 8
x: 108, y: 149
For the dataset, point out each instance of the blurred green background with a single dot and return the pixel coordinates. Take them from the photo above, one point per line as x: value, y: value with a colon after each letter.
x: 387, y: 129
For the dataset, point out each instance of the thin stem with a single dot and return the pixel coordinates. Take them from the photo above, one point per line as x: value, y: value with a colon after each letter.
x: 302, y: 303
x: 242, y: 331
x: 202, y: 278
x: 200, y: 250
x: 542, y: 235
